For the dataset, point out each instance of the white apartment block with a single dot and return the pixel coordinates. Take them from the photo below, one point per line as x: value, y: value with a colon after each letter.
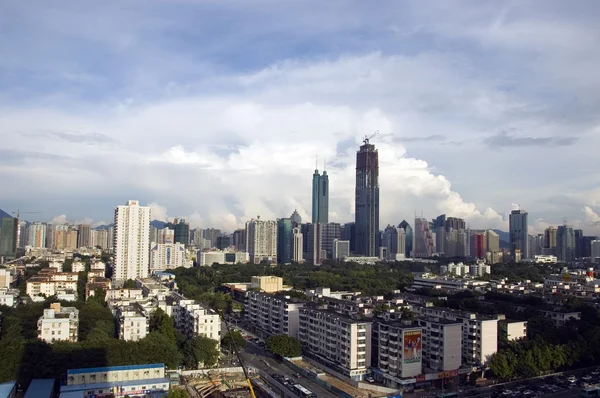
x: 272, y: 314
x: 132, y: 241
x: 561, y: 318
x: 267, y: 284
x: 78, y: 266
x: 165, y: 256
x: 261, y: 240
x: 9, y: 297
x: 100, y: 238
x: 123, y: 294
x: 512, y: 329
x: 442, y: 343
x: 48, y: 283
x: 341, y: 342
x: 479, y: 333
x: 192, y: 319
x: 133, y: 322
x: 297, y: 246
x: 400, y: 352
x: 59, y: 324
x: 97, y: 265
x: 6, y: 278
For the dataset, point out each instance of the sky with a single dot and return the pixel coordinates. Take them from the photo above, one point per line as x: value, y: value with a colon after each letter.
x: 217, y: 110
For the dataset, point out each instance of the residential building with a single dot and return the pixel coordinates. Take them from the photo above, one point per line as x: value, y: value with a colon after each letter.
x: 442, y: 343
x: 298, y: 245
x: 132, y: 322
x: 96, y: 283
x: 59, y: 324
x: 132, y: 241
x: 479, y: 332
x: 118, y: 381
x: 77, y: 266
x: 400, y: 352
x: 284, y: 240
x: 560, y: 318
x: 492, y: 241
x: 550, y: 237
x: 83, y: 235
x: 518, y: 233
x: 193, y: 319
x: 167, y: 256
x: 267, y: 284
x: 211, y: 234
x: 181, y: 232
x: 261, y: 240
x: 595, y: 250
x: 223, y: 242
x: 273, y: 314
x: 9, y: 298
x: 239, y: 240
x: 65, y: 237
x: 320, y: 198
x: 48, y: 283
x: 340, y: 343
x: 366, y: 213
x: 341, y: 249
x: 123, y: 294
x: 37, y: 235
x: 586, y: 245
x: 99, y: 238
x: 394, y: 241
x: 6, y: 278
x: 166, y: 235
x: 512, y: 330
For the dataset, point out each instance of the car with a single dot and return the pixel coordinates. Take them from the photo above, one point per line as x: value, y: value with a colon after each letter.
x: 572, y: 379
x: 370, y: 379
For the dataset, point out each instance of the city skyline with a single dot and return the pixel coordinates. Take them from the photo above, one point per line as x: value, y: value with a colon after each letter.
x: 488, y: 106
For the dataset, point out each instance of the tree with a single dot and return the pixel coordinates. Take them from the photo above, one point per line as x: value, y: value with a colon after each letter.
x: 236, y: 337
x: 129, y: 284
x: 158, y: 348
x: 284, y: 346
x: 163, y: 324
x: 200, y: 351
x: 177, y: 394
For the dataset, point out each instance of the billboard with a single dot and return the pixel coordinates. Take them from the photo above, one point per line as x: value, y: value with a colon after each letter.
x: 413, y: 346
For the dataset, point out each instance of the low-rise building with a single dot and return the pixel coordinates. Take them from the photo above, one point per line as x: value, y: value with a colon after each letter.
x: 97, y: 284
x: 273, y: 314
x: 193, y: 319
x: 338, y: 342
x: 78, y: 266
x: 208, y: 258
x: 511, y: 329
x: 129, y: 380
x: 9, y: 297
x: 560, y: 318
x: 6, y: 278
x: 123, y: 294
x: 48, y: 283
x: 59, y: 323
x: 132, y: 322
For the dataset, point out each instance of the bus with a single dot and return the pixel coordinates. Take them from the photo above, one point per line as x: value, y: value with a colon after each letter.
x: 303, y: 392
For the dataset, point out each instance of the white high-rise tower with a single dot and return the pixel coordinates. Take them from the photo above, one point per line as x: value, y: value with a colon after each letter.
x: 131, y: 241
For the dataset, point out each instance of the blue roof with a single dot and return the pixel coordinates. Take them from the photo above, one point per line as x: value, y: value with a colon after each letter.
x: 40, y: 388
x: 109, y: 384
x: 6, y: 388
x: 114, y: 368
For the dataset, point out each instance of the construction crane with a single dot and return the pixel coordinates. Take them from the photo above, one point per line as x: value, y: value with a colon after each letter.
x: 239, y: 357
x: 367, y: 138
x: 19, y: 212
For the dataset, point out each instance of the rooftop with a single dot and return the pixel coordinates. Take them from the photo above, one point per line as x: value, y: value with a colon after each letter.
x: 115, y: 368
x: 7, y: 388
x: 40, y: 388
x: 106, y: 385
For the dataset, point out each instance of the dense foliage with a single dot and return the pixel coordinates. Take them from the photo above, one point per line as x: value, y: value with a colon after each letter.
x: 234, y: 337
x: 284, y: 346
x: 523, y: 272
x: 200, y: 351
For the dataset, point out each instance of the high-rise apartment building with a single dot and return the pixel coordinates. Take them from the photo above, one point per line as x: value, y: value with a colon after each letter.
x: 320, y: 198
x: 285, y: 241
x: 519, y: 237
x: 550, y: 237
x: 239, y: 240
x: 37, y: 235
x: 424, y: 245
x: 261, y: 240
x: 212, y: 234
x: 298, y: 246
x: 83, y: 235
x: 366, y: 213
x: 132, y: 241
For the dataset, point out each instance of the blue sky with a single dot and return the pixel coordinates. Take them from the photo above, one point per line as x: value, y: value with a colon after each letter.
x: 215, y: 110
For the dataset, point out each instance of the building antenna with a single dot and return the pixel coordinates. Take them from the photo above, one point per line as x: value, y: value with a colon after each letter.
x: 316, y: 162
x: 325, y: 163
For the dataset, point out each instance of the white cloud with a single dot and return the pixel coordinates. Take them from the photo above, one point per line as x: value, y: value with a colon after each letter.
x: 158, y: 212
x: 85, y: 221
x: 591, y: 217
x: 62, y: 219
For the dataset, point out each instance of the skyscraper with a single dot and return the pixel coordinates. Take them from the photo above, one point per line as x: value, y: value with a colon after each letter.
x: 181, y: 231
x: 366, y: 211
x: 394, y: 241
x: 565, y: 243
x: 285, y: 241
x: 320, y: 198
x: 519, y: 237
x: 409, y: 237
x: 132, y: 241
x: 296, y: 219
x: 9, y: 233
x: 331, y: 232
x: 298, y: 246
x: 261, y: 240
x: 37, y: 235
x: 424, y: 240
x: 83, y: 235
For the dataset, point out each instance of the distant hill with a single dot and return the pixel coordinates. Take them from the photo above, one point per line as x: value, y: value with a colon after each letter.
x: 154, y: 223
x: 505, y: 236
x: 4, y: 214
x: 100, y: 227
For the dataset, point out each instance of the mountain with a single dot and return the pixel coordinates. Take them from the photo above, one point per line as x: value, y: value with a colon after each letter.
x: 505, y: 236
x: 4, y: 214
x: 100, y: 227
x: 158, y: 224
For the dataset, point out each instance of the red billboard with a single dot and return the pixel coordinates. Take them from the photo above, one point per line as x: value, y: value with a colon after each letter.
x: 413, y: 346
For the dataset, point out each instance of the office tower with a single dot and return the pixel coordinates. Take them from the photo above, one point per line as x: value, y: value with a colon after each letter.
x: 565, y: 243
x: 181, y: 231
x: 578, y: 243
x: 23, y: 235
x: 550, y: 239
x: 409, y: 237
x: 239, y: 240
x: 296, y: 219
x: 536, y: 245
x: 320, y: 198
x: 394, y: 242
x: 478, y: 247
x: 587, y: 245
x: 9, y: 235
x: 285, y: 241
x: 37, y: 235
x: 455, y: 223
x: 341, y: 249
x: 132, y: 241
x: 83, y: 235
x: 223, y: 242
x: 424, y: 244
x: 595, y: 251
x: 298, y: 246
x: 518, y: 228
x: 349, y: 234
x: 439, y: 228
x: 261, y: 240
x: 366, y: 211
x: 331, y: 232
x: 492, y: 241
x: 212, y: 234
x: 313, y: 242
x: 456, y: 243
